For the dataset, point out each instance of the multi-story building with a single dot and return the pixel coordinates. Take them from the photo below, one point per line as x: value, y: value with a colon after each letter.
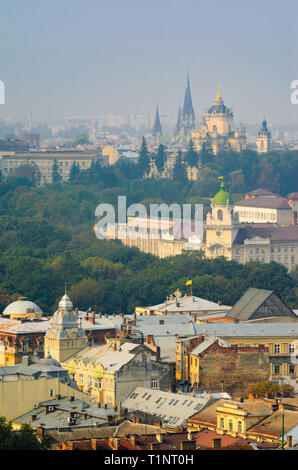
x: 111, y: 372
x: 280, y: 338
x: 225, y: 233
x: 45, y: 162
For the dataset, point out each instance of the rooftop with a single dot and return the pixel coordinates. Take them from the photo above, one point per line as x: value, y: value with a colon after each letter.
x: 172, y: 408
x: 264, y: 202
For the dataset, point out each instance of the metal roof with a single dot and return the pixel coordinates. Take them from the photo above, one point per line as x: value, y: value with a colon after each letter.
x: 172, y: 408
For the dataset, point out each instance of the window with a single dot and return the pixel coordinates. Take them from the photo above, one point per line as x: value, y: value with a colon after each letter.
x: 276, y: 349
x: 219, y: 215
x: 230, y: 425
x: 239, y: 426
x: 81, y: 379
x: 291, y: 369
x: 89, y: 381
x: 291, y: 348
x: 99, y: 383
x: 276, y: 370
x: 222, y: 423
x: 154, y: 382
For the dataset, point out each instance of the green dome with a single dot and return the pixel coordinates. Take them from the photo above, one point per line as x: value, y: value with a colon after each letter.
x: 222, y: 198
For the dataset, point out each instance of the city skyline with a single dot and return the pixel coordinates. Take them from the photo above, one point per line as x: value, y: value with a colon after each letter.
x: 99, y: 58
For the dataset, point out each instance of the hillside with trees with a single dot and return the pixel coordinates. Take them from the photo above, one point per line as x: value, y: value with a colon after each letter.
x: 47, y: 240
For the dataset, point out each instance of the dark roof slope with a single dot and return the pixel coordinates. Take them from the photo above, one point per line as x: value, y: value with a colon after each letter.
x: 275, y: 233
x: 249, y: 305
x: 264, y: 202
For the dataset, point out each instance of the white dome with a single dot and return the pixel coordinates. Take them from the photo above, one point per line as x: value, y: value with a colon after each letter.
x: 66, y: 303
x: 21, y: 307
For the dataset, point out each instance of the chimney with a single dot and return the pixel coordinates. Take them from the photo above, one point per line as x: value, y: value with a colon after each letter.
x: 219, y: 302
x: 92, y: 318
x: 158, y: 353
x: 106, y: 315
x: 40, y: 432
x: 86, y: 316
x: 85, y: 416
x: 105, y: 406
x: 26, y: 361
x: 289, y: 441
x: 216, y: 443
x: 98, y: 405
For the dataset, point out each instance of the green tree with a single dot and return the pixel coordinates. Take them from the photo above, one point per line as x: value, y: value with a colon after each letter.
x: 144, y: 159
x: 74, y: 172
x: 55, y: 172
x: 30, y: 171
x: 179, y: 171
x: 160, y: 157
x: 81, y: 139
x: 206, y: 153
x: 23, y: 439
x: 191, y: 156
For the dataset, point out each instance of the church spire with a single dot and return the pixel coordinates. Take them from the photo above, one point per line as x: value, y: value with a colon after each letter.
x: 187, y: 115
x: 178, y: 124
x: 156, y: 130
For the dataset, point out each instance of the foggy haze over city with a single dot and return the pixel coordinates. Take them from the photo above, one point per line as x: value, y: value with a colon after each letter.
x: 92, y: 58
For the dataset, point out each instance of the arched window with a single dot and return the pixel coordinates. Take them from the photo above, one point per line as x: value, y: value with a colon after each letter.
x: 219, y: 214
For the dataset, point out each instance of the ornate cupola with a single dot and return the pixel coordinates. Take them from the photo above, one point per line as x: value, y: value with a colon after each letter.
x: 65, y: 335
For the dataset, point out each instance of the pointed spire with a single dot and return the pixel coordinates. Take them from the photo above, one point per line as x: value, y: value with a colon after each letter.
x: 187, y: 114
x: 156, y: 130
x: 178, y: 124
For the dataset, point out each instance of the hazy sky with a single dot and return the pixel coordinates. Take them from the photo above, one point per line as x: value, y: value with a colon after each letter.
x: 90, y: 57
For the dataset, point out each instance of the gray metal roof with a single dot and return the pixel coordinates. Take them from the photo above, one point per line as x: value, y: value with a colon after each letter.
x: 249, y: 329
x: 172, y: 408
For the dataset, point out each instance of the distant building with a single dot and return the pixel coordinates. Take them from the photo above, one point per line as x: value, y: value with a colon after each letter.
x: 218, y: 131
x: 264, y: 139
x: 186, y: 117
x: 32, y: 140
x: 262, y: 209
x: 156, y: 130
x: 45, y: 162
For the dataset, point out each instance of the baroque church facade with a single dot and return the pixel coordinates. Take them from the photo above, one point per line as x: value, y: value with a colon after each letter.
x: 217, y: 129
